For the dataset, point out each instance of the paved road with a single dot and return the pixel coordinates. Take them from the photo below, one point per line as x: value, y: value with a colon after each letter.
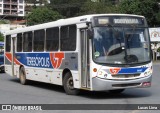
x: 12, y: 92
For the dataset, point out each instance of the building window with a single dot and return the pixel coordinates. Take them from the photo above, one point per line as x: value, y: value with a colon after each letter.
x: 19, y: 42
x: 20, y: 7
x: 27, y: 41
x: 39, y: 36
x: 8, y: 43
x: 52, y: 39
x: 20, y: 1
x: 68, y: 38
x: 21, y: 12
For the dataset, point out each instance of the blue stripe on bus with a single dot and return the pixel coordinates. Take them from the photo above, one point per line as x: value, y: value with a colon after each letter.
x: 42, y: 60
x: 132, y: 70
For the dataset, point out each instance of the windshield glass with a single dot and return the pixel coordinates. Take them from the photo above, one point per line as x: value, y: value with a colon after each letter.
x: 121, y: 45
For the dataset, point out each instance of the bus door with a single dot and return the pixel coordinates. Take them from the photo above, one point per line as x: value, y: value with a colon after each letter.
x: 85, y: 68
x: 13, y: 38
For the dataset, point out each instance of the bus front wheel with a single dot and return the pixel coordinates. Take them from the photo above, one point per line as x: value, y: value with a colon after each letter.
x: 22, y: 76
x: 68, y: 84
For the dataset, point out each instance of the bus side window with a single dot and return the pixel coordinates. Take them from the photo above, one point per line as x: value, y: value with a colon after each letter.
x: 72, y: 36
x: 39, y: 37
x: 68, y: 38
x: 8, y: 43
x: 19, y: 42
x: 52, y: 39
x: 27, y: 41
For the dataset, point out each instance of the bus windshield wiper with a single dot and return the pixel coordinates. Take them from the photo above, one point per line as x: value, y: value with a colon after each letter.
x: 128, y: 37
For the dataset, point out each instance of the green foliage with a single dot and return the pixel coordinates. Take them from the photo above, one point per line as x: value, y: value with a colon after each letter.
x: 147, y: 8
x: 158, y: 50
x: 2, y: 22
x: 158, y: 19
x: 42, y: 15
x: 68, y: 8
x: 1, y: 37
x: 71, y: 8
x: 104, y: 6
x: 35, y: 1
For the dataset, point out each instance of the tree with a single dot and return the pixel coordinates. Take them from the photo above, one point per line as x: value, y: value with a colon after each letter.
x: 147, y: 8
x: 1, y: 37
x: 4, y: 21
x: 97, y: 6
x: 37, y: 1
x: 71, y: 8
x: 42, y: 15
x: 68, y: 8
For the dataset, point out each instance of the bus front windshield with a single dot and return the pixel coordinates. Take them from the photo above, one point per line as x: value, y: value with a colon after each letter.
x: 121, y: 45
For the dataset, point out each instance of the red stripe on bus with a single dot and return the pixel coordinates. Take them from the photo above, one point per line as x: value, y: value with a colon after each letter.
x: 9, y: 57
x: 56, y: 59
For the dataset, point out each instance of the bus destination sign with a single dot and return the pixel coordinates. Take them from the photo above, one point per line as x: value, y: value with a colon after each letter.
x: 126, y: 21
x: 118, y: 20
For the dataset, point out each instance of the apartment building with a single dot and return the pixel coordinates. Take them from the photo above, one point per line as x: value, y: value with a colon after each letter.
x: 12, y: 8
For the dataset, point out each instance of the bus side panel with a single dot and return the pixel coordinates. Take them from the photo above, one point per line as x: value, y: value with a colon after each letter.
x: 37, y: 74
x: 48, y: 67
x: 55, y: 76
x: 76, y: 79
x: 8, y: 67
x: 70, y: 62
x: 17, y: 70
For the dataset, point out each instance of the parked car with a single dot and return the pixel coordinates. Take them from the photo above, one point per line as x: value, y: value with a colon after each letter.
x: 1, y: 56
x: 1, y: 62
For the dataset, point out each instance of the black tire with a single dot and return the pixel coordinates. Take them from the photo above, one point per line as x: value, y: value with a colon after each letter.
x: 22, y: 76
x: 117, y: 91
x: 2, y: 70
x: 69, y: 85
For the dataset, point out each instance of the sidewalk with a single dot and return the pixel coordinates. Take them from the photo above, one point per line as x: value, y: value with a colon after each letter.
x: 156, y: 62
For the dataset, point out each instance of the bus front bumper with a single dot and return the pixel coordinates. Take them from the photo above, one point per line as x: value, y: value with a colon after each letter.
x: 99, y: 84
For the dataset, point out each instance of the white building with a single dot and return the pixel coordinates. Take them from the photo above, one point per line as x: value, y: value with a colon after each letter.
x: 6, y: 27
x: 12, y: 7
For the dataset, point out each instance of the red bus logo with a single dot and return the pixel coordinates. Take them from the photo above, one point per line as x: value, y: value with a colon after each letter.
x: 56, y: 59
x: 114, y: 71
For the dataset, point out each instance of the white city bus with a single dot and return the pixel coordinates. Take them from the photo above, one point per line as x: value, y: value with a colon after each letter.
x: 97, y: 52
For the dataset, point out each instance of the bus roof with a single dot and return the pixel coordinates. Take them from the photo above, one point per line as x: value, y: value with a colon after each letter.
x: 63, y: 22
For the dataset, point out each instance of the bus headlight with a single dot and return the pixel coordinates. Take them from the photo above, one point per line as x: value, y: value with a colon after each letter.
x: 102, y: 74
x: 145, y: 74
x: 148, y: 72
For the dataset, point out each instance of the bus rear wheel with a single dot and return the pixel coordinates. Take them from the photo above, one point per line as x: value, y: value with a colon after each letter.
x: 22, y: 76
x: 68, y: 84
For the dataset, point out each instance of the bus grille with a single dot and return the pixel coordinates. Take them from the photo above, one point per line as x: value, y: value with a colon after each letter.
x: 126, y: 85
x: 125, y: 75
